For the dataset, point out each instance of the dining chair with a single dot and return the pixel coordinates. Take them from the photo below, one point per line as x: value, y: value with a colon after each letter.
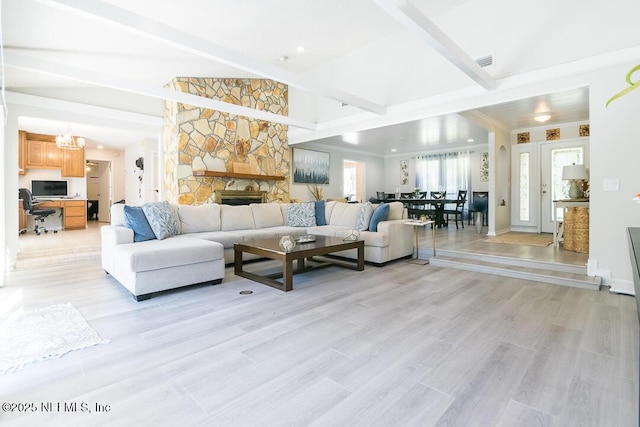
x: 458, y: 210
x: 380, y: 195
x: 436, y: 209
x: 479, y: 203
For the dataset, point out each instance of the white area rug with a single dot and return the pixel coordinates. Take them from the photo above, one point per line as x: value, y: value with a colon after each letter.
x: 46, y: 333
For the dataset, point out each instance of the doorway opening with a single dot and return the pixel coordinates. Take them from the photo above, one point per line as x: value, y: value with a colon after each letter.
x: 99, y: 190
x: 353, y: 181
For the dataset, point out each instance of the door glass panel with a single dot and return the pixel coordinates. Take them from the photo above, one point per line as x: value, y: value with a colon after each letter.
x: 525, y: 187
x: 560, y: 158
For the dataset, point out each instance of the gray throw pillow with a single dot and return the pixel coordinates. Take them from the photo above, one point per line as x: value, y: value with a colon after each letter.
x: 301, y: 214
x: 162, y: 218
x: 364, y: 216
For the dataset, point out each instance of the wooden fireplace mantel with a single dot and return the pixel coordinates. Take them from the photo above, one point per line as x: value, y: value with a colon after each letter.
x: 238, y: 175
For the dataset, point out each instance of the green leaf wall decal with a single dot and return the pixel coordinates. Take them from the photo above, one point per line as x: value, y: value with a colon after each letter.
x: 631, y: 87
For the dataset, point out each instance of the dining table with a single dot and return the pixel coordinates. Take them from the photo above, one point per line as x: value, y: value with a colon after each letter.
x: 418, y: 207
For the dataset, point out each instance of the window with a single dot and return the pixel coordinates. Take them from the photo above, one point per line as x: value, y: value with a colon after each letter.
x: 560, y: 158
x: 443, y: 172
x: 525, y: 187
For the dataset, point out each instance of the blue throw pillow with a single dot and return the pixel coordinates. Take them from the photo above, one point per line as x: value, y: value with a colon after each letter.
x: 380, y: 214
x: 320, y: 218
x: 136, y: 220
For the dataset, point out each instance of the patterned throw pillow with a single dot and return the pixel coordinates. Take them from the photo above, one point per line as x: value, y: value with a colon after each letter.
x: 364, y: 216
x: 163, y: 220
x: 301, y: 214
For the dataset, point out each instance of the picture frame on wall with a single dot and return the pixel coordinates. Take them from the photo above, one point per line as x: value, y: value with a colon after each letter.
x: 404, y: 172
x: 484, y: 166
x: 310, y: 166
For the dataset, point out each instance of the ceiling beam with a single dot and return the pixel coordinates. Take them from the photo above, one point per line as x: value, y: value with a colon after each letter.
x: 157, y: 31
x: 414, y: 20
x: 26, y: 62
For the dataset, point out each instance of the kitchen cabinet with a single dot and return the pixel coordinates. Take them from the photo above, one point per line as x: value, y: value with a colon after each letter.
x: 41, y: 152
x: 73, y: 164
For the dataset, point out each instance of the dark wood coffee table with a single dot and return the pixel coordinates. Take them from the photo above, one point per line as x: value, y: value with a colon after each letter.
x: 270, y: 248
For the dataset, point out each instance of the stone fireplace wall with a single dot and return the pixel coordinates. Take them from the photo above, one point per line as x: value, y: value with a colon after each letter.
x: 196, y: 138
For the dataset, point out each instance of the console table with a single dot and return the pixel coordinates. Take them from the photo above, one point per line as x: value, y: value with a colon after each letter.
x: 558, y: 227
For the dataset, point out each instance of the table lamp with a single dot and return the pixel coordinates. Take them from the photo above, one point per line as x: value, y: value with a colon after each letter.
x: 574, y: 173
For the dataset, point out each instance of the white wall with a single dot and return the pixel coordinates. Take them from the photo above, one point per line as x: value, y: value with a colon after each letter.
x: 140, y: 191
x: 134, y: 177
x: 499, y: 183
x: 74, y: 185
x: 614, y: 154
x: 372, y: 164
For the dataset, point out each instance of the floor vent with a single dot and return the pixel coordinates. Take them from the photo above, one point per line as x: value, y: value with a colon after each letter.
x: 485, y: 61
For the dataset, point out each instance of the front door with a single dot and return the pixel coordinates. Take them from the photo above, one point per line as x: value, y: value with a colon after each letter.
x: 553, y: 157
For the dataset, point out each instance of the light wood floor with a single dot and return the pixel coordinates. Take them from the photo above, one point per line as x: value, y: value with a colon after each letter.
x: 402, y: 345
x: 466, y: 240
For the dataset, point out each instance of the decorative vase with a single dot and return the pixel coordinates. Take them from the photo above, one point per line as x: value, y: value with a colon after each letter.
x: 352, y: 236
x: 287, y: 243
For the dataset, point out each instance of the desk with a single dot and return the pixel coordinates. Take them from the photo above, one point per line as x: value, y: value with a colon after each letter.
x: 558, y: 228
x: 74, y: 211
x: 416, y: 225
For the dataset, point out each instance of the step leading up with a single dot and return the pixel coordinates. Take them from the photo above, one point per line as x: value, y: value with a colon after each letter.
x: 539, y: 271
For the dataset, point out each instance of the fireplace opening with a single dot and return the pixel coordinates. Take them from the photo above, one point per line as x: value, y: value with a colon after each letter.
x: 240, y: 197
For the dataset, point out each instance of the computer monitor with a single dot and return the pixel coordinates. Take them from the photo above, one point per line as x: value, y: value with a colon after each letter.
x: 42, y: 188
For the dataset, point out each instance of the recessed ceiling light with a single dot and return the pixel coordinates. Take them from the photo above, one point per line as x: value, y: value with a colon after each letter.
x: 470, y: 140
x: 101, y: 147
x: 283, y: 58
x: 393, y: 150
x: 351, y: 137
x: 542, y: 117
x: 300, y: 49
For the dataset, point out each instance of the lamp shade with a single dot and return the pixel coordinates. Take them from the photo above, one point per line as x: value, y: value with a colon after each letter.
x: 574, y: 172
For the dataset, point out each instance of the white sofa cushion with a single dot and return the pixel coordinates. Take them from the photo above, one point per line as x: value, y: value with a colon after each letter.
x: 236, y: 218
x: 345, y: 214
x: 227, y: 238
x: 196, y: 219
x: 267, y: 215
x: 117, y: 214
x: 171, y: 252
x: 396, y: 211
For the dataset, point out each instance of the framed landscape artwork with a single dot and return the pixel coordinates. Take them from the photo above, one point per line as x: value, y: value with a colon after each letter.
x: 310, y: 167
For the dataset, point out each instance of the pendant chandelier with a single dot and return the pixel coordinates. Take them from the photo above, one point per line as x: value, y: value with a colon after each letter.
x: 66, y: 141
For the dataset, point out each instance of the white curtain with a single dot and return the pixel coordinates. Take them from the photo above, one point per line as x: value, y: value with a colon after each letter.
x: 443, y: 172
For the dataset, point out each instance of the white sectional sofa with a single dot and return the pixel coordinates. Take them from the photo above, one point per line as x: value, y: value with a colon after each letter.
x: 207, y: 234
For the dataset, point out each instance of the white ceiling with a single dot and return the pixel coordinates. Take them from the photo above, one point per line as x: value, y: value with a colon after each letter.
x: 119, y: 53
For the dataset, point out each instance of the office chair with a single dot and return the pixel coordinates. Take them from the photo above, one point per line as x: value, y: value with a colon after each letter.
x: 38, y: 214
